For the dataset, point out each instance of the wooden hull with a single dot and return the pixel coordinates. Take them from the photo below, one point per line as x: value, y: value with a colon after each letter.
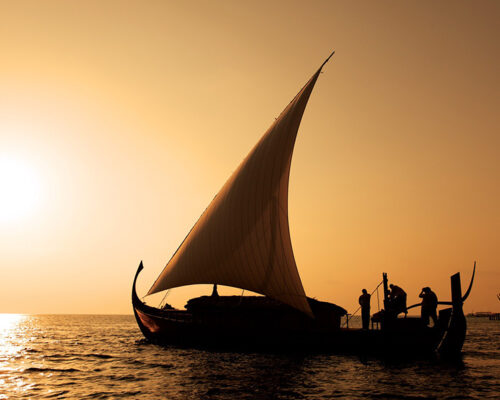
x: 161, y: 329
x: 403, y: 337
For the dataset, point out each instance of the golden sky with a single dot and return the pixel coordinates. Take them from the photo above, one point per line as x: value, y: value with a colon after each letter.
x: 120, y: 120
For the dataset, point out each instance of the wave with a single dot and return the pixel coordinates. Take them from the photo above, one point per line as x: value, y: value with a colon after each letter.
x: 155, y: 365
x: 125, y: 378
x: 97, y: 355
x: 37, y: 369
x: 107, y: 395
x: 398, y: 396
x: 150, y: 364
x: 80, y: 356
x: 32, y: 351
x: 56, y: 394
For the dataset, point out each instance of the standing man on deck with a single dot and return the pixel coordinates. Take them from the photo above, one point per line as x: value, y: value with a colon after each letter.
x: 364, y: 302
x: 429, y: 305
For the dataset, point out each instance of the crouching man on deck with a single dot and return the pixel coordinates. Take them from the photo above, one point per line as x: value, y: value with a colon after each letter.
x: 397, y: 297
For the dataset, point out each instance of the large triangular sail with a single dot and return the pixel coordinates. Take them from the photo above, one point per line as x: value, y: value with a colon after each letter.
x: 242, y: 239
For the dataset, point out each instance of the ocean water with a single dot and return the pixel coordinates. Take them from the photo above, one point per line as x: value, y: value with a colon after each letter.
x: 105, y: 357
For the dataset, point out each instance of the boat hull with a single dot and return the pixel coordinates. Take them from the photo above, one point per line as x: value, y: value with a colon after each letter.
x: 403, y: 337
x: 160, y: 328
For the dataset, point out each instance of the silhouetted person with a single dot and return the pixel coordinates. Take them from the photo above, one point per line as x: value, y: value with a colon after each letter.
x: 364, y: 302
x: 214, y: 291
x: 397, y: 297
x: 429, y: 305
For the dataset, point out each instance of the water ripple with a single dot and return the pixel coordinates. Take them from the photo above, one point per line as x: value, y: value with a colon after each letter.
x: 36, y: 369
x: 103, y: 357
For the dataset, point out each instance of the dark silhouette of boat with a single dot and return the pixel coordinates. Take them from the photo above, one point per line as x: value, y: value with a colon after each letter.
x: 242, y: 240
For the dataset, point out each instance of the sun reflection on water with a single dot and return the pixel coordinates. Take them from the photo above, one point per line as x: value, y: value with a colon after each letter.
x: 11, y: 348
x: 9, y: 324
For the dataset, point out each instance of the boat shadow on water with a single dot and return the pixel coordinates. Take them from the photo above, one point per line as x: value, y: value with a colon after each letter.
x: 221, y: 373
x: 394, y: 359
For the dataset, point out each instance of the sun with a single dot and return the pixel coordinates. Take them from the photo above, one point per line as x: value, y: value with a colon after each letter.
x: 19, y: 189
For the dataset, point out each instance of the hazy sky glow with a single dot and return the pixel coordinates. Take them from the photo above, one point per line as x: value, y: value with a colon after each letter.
x: 119, y: 122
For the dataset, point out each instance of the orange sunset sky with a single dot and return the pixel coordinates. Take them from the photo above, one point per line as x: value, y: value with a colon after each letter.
x: 120, y: 121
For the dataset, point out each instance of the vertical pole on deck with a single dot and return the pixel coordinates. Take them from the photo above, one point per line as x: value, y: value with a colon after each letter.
x: 386, y: 290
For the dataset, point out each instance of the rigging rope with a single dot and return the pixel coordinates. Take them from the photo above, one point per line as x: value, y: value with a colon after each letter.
x: 164, y: 297
x: 378, y: 301
x: 241, y: 297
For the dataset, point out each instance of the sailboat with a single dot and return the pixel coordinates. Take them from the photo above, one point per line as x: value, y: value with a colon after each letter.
x: 242, y: 240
